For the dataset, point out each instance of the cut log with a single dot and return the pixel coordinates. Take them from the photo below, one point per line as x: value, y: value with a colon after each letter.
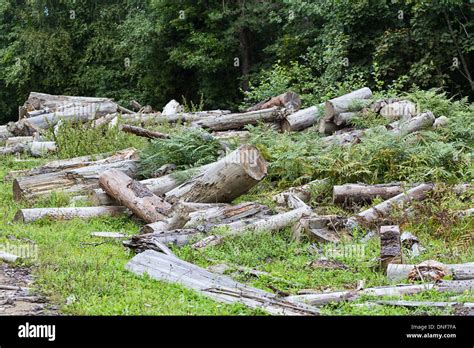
x: 383, y: 209
x: 5, y: 133
x: 11, y: 150
x: 30, y: 215
x: 42, y: 148
x: 159, y: 186
x: 8, y: 257
x: 239, y: 121
x: 423, y: 121
x: 404, y: 110
x: 302, y: 192
x: 397, y: 272
x: 322, y: 229
x: 135, y: 196
x: 302, y: 119
x: 390, y: 246
x: 20, y: 140
x: 290, y: 101
x: 38, y: 101
x: 113, y: 235
x: 361, y: 193
x: 77, y: 180
x: 141, y: 132
x: 430, y: 304
x: 148, y: 240
x: 344, y: 118
x: 219, y: 287
x: 322, y: 299
x: 225, y: 179
x: 345, y: 103
x: 240, y: 135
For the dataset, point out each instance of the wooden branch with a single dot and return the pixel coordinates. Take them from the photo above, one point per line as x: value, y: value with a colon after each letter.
x: 219, y: 287
x: 30, y: 215
x: 141, y: 132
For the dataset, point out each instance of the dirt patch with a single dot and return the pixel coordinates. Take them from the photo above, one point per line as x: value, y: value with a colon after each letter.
x: 16, y: 297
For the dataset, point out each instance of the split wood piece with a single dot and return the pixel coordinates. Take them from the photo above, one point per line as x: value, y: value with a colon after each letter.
x: 159, y: 186
x: 289, y: 100
x: 30, y: 215
x: 42, y: 148
x: 7, y: 257
x: 322, y: 299
x: 80, y: 113
x: 339, y: 105
x: 218, y: 287
x: 321, y: 229
x: 223, y: 214
x: 302, y: 192
x: 78, y: 180
x: 135, y: 196
x: 225, y: 179
x: 384, y: 209
x: 145, y: 241
x: 142, y: 132
x: 239, y: 121
x: 11, y: 150
x: 114, y: 235
x: 390, y: 246
x: 397, y: 272
x: 302, y: 119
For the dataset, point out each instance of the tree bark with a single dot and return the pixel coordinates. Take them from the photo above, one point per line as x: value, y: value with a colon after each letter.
x: 390, y: 246
x: 77, y: 180
x: 219, y: 287
x: 239, y: 121
x: 10, y: 150
x: 290, y: 101
x: 362, y: 193
x: 135, y: 196
x: 141, y: 132
x: 37, y: 101
x: 30, y: 215
x: 225, y: 180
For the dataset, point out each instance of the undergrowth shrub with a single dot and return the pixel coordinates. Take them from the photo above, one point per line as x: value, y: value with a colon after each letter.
x: 187, y: 149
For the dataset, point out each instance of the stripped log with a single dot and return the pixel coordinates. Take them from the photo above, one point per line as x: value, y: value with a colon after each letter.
x: 397, y: 272
x: 422, y: 121
x: 23, y: 140
x: 11, y: 150
x: 77, y: 180
x: 390, y: 246
x: 135, y: 196
x: 42, y: 148
x: 112, y: 235
x: 50, y: 102
x: 322, y: 299
x: 383, y: 209
x: 30, y: 215
x: 303, y: 192
x: 429, y: 304
x: 159, y: 186
x: 239, y: 121
x: 225, y: 179
x: 141, y: 132
x: 149, y: 240
x: 5, y: 133
x: 339, y: 105
x: 302, y: 119
x: 321, y: 229
x: 218, y: 287
x: 290, y: 101
x: 362, y: 193
x: 344, y: 118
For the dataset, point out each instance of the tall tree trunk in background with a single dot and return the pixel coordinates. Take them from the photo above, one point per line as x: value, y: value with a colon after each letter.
x: 244, y: 48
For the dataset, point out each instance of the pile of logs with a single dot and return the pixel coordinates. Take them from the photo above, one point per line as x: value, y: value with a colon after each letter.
x: 190, y: 212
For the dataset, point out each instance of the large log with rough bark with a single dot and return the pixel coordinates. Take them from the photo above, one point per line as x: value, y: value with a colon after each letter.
x: 362, y: 193
x: 390, y: 246
x: 77, y: 180
x: 464, y: 271
x: 336, y: 106
x: 224, y: 180
x: 5, y: 133
x: 142, y: 132
x: 135, y: 196
x: 42, y: 101
x: 218, y: 287
x: 31, y: 215
x: 383, y: 209
x: 321, y: 299
x: 290, y: 101
x: 239, y: 121
x: 302, y: 119
x: 159, y: 186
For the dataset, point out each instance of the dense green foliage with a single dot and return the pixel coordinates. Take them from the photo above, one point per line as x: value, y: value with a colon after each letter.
x: 230, y: 51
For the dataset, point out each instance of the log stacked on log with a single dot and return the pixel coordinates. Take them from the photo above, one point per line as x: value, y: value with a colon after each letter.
x: 290, y: 101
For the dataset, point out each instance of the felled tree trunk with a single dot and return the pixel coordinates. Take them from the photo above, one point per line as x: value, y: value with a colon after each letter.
x: 320, y: 229
x: 397, y: 272
x: 289, y: 100
x: 135, y: 196
x: 147, y: 240
x: 225, y: 179
x: 238, y: 121
x: 141, y: 132
x: 303, y: 192
x: 42, y: 148
x: 302, y: 119
x: 340, y: 105
x: 31, y: 215
x: 383, y: 209
x: 344, y: 118
x: 5, y: 133
x: 158, y: 186
x: 422, y: 121
x: 361, y: 193
x: 77, y: 180
x: 37, y: 101
x: 20, y: 140
x: 10, y: 150
x: 390, y: 246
